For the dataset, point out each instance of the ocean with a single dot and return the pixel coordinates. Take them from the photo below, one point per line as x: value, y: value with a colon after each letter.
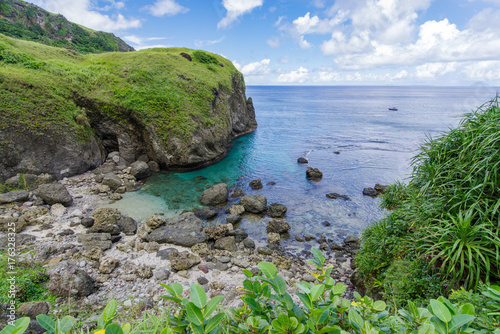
x: 348, y: 133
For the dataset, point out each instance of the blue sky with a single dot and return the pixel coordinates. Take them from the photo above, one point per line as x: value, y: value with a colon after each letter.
x: 315, y: 42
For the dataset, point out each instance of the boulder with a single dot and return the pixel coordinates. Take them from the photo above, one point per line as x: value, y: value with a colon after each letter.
x: 226, y: 243
x: 370, y: 192
x: 215, y: 195
x: 154, y: 221
x: 205, y: 213
x: 336, y: 196
x: 237, y: 193
x: 352, y: 242
x: 254, y: 204
x: 239, y: 234
x: 276, y: 210
x: 302, y: 160
x: 32, y: 309
x: 107, y: 264
x: 314, y: 174
x: 71, y: 282
x: 161, y: 274
x: 256, y: 184
x: 106, y: 216
x: 112, y: 181
x: 381, y: 188
x: 140, y: 170
x: 217, y: 232
x: 277, y: 226
x: 111, y: 229
x: 249, y: 243
x: 184, y: 230
x: 183, y: 260
x: 95, y: 240
x: 54, y: 193
x: 236, y: 209
x: 153, y: 166
x: 87, y: 222
x: 164, y: 254
x: 233, y: 219
x: 127, y: 225
x: 14, y: 196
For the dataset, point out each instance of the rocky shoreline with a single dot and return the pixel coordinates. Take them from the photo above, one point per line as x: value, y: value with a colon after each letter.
x: 93, y: 254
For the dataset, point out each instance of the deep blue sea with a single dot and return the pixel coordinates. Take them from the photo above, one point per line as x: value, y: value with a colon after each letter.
x: 346, y: 132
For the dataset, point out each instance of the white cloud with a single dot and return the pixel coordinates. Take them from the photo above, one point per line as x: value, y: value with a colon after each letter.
x: 258, y: 68
x: 274, y: 42
x: 82, y: 12
x: 433, y: 70
x: 235, y: 9
x: 143, y: 47
x: 166, y: 7
x: 483, y: 70
x: 285, y: 59
x: 298, y: 76
x: 318, y: 3
x: 139, y: 40
x: 201, y: 44
x: 314, y: 25
x: 304, y: 44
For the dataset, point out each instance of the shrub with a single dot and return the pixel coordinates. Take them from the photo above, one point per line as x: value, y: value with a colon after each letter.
x: 205, y: 58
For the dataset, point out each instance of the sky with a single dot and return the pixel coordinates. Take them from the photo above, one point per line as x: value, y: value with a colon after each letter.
x: 315, y: 42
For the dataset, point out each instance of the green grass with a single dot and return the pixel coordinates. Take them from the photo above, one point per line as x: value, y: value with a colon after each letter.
x: 448, y: 214
x: 158, y: 87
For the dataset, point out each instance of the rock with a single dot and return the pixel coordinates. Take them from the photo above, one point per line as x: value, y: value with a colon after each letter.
x: 112, y: 181
x: 66, y: 232
x: 335, y: 247
x: 183, y: 260
x: 309, y: 237
x: 273, y: 238
x: 184, y: 230
x: 309, y: 278
x: 242, y: 263
x: 57, y: 210
x: 144, y: 272
x: 249, y: 243
x: 358, y: 282
x: 140, y: 170
x: 54, y: 193
x: 32, y: 309
x: 336, y: 196
x: 94, y: 254
x: 226, y: 243
x: 215, y: 195
x: 314, y: 174
x: 106, y: 216
x: 370, y: 192
x: 127, y: 225
x: 87, y: 222
x: 277, y: 226
x: 265, y: 250
x: 254, y: 204
x: 237, y: 209
x: 256, y: 184
x: 14, y: 196
x: 276, y: 210
x: 203, y: 268
x: 224, y: 259
x: 151, y: 247
x: 76, y: 213
x: 92, y: 240
x: 233, y: 219
x: 202, y: 280
x: 187, y: 56
x: 299, y: 238
x: 115, y: 197
x: 164, y: 254
x: 302, y: 160
x: 221, y: 266
x: 162, y: 274
x: 71, y: 282
x: 216, y: 232
x: 217, y: 285
x: 153, y: 166
x: 103, y: 189
x: 205, y: 213
x: 325, y: 223
x: 153, y: 222
x: 201, y: 249
x: 107, y: 264
x: 237, y: 193
x: 352, y: 241
x: 111, y: 229
x: 382, y: 189
x: 239, y: 234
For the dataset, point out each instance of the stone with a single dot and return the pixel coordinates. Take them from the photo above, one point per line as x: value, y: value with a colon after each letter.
x: 336, y: 196
x: 187, y: 56
x: 216, y: 232
x: 115, y: 197
x: 239, y: 234
x: 203, y: 268
x: 151, y: 247
x: 201, y: 249
x: 314, y: 174
x: 140, y: 170
x: 256, y: 184
x: 144, y: 272
x: 71, y: 282
x: 164, y: 254
x: 32, y: 309
x: 277, y: 226
x: 183, y: 260
x: 153, y: 222
x: 106, y: 216
x: 87, y: 222
x: 92, y: 240
x: 226, y: 243
x: 57, y: 210
x: 352, y: 241
x: 202, y: 280
x: 153, y: 166
x: 111, y: 229
x: 66, y: 232
x: 326, y: 223
x: 276, y: 210
x: 273, y: 238
x: 14, y: 196
x: 233, y: 219
x: 264, y: 250
x: 76, y: 213
x: 309, y: 278
x: 223, y: 259
x: 112, y: 181
x: 309, y: 237
x: 382, y: 189
x: 215, y: 195
x: 237, y: 209
x: 242, y: 263
x: 54, y: 193
x: 162, y: 274
x: 237, y: 193
x: 217, y: 285
x: 102, y: 189
x: 107, y: 264
x: 302, y: 160
x: 205, y: 213
x: 94, y: 254
x: 127, y: 225
x: 299, y: 238
x: 184, y: 230
x: 370, y: 192
x: 221, y: 266
x: 254, y: 204
x: 249, y: 243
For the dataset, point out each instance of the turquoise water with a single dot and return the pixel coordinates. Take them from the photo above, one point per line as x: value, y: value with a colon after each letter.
x: 346, y: 132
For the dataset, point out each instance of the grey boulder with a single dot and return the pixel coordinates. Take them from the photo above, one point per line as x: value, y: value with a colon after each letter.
x: 254, y: 204
x: 184, y: 230
x: 54, y: 193
x: 14, y: 196
x: 215, y: 195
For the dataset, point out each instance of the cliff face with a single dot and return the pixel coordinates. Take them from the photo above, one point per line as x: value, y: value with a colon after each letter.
x: 62, y: 113
x: 24, y: 20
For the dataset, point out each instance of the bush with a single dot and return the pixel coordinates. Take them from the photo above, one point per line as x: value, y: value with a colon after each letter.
x: 205, y: 58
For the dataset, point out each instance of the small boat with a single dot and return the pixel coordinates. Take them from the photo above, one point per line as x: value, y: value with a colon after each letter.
x: 394, y: 109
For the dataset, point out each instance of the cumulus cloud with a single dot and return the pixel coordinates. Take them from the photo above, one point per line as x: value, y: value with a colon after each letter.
x: 201, y: 43
x: 297, y: 76
x: 235, y: 9
x: 258, y: 68
x: 274, y: 42
x: 83, y: 12
x: 166, y: 7
x: 483, y: 70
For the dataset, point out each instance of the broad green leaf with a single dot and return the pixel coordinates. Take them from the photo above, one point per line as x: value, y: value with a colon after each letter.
x: 379, y: 305
x: 304, y: 286
x: 329, y: 282
x: 439, y: 326
x: 194, y: 314
x: 356, y: 295
x: 339, y: 289
x: 324, y: 316
x: 126, y: 328
x: 268, y: 269
x: 18, y: 327
x: 468, y: 309
x: 113, y: 329
x: 315, y: 263
x: 288, y: 301
x: 247, y: 284
x: 449, y: 305
x: 413, y: 309
x: 247, y: 273
x: 198, y: 295
x: 266, y: 291
x: 254, y: 305
x: 167, y: 330
x: 280, y: 285
x: 257, y: 287
x: 330, y: 330
x: 317, y: 291
x: 110, y: 310
x: 460, y: 320
x: 328, y: 271
x: 212, y: 306
x: 46, y: 322
x: 66, y: 324
x: 298, y: 312
x: 426, y: 329
x: 440, y: 310
x: 356, y: 319
x: 305, y: 299
x: 214, y: 322
x: 318, y: 256
x: 197, y: 329
x: 175, y: 299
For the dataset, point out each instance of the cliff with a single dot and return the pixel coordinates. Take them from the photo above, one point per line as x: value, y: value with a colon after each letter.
x: 26, y: 21
x: 61, y: 112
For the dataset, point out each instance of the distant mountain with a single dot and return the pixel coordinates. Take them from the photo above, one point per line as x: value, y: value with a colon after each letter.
x: 26, y: 21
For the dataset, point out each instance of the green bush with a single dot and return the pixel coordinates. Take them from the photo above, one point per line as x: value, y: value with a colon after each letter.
x: 205, y: 58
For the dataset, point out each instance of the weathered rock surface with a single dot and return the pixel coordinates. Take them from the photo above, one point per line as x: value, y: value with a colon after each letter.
x: 183, y: 260
x: 370, y: 192
x: 71, y: 282
x: 276, y: 210
x: 127, y: 225
x: 14, y: 196
x: 184, y: 230
x: 256, y: 184
x: 140, y: 170
x: 254, y: 204
x: 302, y: 160
x: 277, y: 226
x: 54, y: 193
x: 215, y: 195
x: 314, y: 174
x: 226, y: 243
x: 336, y: 196
x: 106, y: 216
x: 95, y: 240
x: 32, y: 309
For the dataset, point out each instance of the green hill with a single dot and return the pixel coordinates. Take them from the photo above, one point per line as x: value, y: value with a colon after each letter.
x: 26, y: 21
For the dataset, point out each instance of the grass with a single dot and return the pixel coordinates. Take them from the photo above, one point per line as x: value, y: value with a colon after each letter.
x: 448, y: 214
x: 158, y: 87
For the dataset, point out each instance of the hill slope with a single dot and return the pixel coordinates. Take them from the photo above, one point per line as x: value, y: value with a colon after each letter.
x: 61, y: 112
x: 26, y: 21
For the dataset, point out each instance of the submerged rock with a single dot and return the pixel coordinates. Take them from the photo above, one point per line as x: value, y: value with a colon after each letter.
x: 215, y: 195
x: 276, y: 210
x: 314, y: 174
x: 254, y: 204
x: 256, y: 184
x: 302, y: 160
x: 370, y: 192
x: 336, y: 196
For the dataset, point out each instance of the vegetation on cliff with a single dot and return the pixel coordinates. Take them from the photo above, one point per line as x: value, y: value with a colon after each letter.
x: 443, y: 232
x: 26, y: 21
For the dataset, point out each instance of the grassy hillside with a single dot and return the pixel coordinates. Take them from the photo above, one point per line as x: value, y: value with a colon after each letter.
x: 43, y: 87
x: 26, y: 21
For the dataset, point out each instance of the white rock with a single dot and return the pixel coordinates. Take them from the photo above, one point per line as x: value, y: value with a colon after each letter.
x: 57, y: 210
x: 77, y: 213
x: 127, y: 303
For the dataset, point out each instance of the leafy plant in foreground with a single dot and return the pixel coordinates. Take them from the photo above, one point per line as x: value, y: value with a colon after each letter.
x: 18, y: 327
